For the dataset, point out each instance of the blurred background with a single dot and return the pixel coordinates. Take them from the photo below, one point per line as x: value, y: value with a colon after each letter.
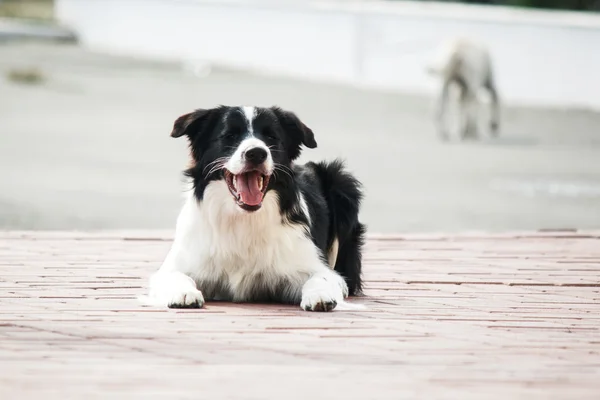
x: 89, y: 90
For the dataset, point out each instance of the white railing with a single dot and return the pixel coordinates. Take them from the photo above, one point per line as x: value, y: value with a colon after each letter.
x: 540, y: 57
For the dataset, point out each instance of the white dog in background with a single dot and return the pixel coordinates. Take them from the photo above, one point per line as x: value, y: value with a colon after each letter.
x: 467, y: 65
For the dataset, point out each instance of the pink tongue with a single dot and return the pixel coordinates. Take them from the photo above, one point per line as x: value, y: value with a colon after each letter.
x: 247, y: 185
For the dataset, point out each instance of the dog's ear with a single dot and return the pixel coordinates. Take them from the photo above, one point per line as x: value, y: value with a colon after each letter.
x: 191, y: 124
x: 297, y: 132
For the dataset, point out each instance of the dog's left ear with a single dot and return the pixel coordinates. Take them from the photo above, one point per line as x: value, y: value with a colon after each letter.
x: 299, y: 133
x: 190, y: 124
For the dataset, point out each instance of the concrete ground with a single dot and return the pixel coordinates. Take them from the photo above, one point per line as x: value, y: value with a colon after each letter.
x: 89, y: 148
x: 515, y: 317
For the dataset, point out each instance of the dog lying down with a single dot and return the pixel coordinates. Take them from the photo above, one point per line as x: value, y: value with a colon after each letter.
x: 256, y: 227
x: 466, y: 65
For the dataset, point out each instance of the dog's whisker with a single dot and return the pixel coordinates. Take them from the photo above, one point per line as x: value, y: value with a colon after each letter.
x: 218, y: 160
x: 283, y: 167
x: 277, y: 167
x: 213, y: 171
x: 272, y: 148
x: 215, y: 168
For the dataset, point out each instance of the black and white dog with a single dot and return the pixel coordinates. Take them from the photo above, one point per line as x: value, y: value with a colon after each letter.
x: 256, y: 227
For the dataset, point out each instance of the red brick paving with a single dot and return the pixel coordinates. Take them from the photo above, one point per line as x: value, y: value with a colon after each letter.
x: 477, y: 316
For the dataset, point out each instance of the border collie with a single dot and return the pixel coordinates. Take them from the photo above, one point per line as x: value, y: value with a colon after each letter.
x: 468, y: 66
x: 256, y: 227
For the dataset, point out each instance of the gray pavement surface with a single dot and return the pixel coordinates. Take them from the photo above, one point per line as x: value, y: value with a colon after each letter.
x: 89, y: 148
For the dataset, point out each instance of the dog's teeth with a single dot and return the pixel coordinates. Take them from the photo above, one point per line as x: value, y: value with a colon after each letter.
x: 235, y: 183
x: 260, y: 183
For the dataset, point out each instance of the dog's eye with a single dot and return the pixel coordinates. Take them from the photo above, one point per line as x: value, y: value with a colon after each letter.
x: 232, y: 134
x: 269, y: 134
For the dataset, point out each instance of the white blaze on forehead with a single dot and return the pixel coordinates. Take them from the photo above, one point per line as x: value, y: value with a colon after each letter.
x: 249, y: 112
x: 237, y: 163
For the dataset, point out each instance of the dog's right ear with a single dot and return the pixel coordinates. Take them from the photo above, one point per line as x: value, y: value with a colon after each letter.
x: 190, y: 124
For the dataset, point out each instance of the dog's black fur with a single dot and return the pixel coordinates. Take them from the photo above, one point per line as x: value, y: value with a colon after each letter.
x: 333, y: 196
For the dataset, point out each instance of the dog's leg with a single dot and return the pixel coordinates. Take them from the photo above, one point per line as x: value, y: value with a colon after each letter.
x: 174, y: 289
x: 171, y: 286
x: 442, y: 107
x: 495, y: 106
x: 323, y: 291
x: 463, y: 114
x: 469, y: 109
x: 349, y: 262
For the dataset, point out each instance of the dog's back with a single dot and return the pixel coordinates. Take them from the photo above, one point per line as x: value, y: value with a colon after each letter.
x: 465, y: 62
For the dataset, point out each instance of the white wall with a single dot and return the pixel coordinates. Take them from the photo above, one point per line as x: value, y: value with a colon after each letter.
x: 541, y: 57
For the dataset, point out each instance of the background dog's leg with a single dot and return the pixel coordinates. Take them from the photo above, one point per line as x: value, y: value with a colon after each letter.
x: 442, y: 107
x: 469, y: 111
x: 495, y: 106
x: 323, y: 291
x: 463, y: 114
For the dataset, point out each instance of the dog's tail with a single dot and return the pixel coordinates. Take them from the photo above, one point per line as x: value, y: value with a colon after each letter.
x: 346, y: 234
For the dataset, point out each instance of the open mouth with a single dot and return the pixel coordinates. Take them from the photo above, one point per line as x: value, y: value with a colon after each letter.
x: 248, y: 188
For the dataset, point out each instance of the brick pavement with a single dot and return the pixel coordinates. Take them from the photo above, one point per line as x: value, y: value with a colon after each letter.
x: 476, y: 316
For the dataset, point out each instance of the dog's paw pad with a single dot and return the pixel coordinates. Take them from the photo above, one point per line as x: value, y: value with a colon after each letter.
x: 321, y: 306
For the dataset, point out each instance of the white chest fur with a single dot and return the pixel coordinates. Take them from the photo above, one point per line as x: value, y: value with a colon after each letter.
x: 235, y: 255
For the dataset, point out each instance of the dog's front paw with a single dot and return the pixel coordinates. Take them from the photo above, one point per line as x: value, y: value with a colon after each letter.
x: 187, y: 299
x: 175, y: 290
x: 322, y: 292
x: 318, y: 304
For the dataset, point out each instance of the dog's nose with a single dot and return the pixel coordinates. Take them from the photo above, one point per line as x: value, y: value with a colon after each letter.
x: 256, y: 155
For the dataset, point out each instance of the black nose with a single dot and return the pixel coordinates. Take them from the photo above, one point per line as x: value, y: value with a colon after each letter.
x: 256, y: 155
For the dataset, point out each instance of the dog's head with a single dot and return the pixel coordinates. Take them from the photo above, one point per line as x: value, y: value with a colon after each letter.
x: 243, y: 146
